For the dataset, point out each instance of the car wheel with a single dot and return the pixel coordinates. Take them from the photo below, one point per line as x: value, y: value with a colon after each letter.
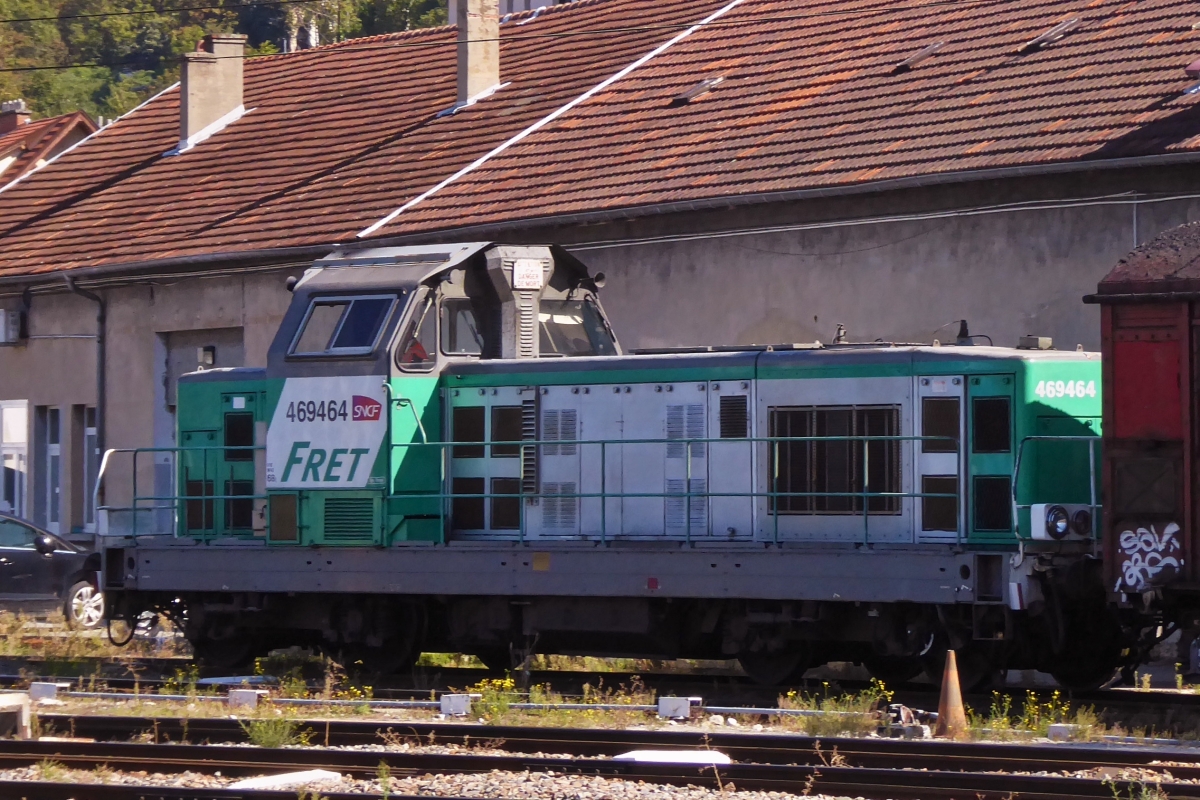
x: 84, y: 607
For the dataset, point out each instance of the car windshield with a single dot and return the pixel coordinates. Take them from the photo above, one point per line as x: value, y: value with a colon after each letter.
x: 342, y: 324
x: 573, y: 328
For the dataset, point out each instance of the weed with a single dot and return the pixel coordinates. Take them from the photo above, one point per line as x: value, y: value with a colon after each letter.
x: 495, y: 697
x: 1137, y: 790
x: 103, y: 774
x: 50, y: 770
x: 839, y: 713
x: 834, y: 759
x: 1178, y: 676
x: 183, y: 682
x: 276, y: 732
x: 383, y: 774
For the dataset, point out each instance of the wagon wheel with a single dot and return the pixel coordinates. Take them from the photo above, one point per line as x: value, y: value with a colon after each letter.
x: 978, y: 670
x: 892, y: 670
x: 223, y: 654
x: 773, y: 669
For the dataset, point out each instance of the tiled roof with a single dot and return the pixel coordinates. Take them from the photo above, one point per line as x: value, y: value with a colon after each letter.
x: 342, y: 137
x: 1170, y: 262
x: 40, y: 140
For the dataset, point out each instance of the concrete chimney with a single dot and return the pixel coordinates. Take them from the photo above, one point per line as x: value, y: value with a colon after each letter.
x: 478, y: 47
x: 13, y: 114
x: 210, y: 91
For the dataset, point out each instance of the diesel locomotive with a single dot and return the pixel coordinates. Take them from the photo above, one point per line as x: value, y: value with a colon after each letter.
x: 448, y: 449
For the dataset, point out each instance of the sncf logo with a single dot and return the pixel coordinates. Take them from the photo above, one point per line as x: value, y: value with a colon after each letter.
x: 366, y: 408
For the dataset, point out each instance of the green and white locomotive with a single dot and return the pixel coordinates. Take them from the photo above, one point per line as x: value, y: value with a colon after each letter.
x: 449, y: 450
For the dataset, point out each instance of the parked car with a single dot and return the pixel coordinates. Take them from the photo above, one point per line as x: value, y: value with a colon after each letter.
x: 40, y: 572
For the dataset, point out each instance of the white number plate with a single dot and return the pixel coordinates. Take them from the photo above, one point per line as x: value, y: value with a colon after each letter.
x: 1065, y: 389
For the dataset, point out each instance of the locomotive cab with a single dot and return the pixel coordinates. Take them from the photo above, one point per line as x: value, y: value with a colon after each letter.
x: 349, y: 454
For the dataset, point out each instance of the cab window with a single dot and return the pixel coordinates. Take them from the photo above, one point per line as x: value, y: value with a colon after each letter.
x: 573, y: 328
x: 14, y: 534
x: 342, y: 325
x: 418, y: 346
x: 460, y: 331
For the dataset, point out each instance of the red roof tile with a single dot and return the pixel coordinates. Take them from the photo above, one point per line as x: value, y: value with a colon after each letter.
x: 342, y: 137
x: 40, y: 140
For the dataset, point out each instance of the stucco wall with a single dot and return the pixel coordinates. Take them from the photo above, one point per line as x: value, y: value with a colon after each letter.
x: 978, y: 252
x: 62, y: 372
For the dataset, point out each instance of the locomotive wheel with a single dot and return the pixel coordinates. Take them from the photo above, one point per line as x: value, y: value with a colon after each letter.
x: 892, y: 670
x: 1084, y: 674
x: 496, y: 660
x: 773, y: 669
x: 223, y: 654
x: 977, y: 672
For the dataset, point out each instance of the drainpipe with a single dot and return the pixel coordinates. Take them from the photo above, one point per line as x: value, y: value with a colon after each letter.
x: 101, y: 316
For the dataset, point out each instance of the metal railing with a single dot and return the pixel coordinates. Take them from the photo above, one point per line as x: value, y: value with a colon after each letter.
x: 174, y: 504
x: 773, y: 495
x: 1094, y: 505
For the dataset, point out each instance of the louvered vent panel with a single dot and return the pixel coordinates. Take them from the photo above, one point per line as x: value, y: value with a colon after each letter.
x: 679, y: 507
x: 529, y: 455
x: 528, y: 325
x: 675, y: 431
x: 695, y: 428
x: 349, y: 519
x: 685, y: 422
x: 568, y: 428
x: 550, y: 432
x: 559, y: 505
x: 735, y: 416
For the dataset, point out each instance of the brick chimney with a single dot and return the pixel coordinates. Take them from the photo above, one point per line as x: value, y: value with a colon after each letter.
x: 13, y: 115
x: 478, y: 47
x: 210, y: 91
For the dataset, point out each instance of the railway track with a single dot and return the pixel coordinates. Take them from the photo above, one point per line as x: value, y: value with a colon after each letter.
x: 792, y: 764
x: 717, y: 690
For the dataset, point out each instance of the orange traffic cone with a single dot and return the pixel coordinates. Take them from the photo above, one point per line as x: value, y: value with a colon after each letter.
x: 952, y: 718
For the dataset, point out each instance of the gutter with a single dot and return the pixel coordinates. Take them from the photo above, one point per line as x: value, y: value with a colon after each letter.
x: 286, y: 256
x: 735, y: 201
x: 101, y: 319
x: 1135, y: 297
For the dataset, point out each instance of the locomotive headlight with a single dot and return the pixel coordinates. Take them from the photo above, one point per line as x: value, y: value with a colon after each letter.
x: 1081, y: 522
x: 1057, y: 524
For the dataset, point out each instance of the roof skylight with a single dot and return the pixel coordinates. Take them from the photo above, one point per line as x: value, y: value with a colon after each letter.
x: 703, y: 87
x: 917, y: 57
x: 1051, y: 36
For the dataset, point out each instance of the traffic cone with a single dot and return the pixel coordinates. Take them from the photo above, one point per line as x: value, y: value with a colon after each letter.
x: 952, y: 718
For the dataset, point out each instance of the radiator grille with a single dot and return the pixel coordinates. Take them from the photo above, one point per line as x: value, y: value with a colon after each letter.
x: 349, y: 519
x: 558, y: 511
x: 681, y: 509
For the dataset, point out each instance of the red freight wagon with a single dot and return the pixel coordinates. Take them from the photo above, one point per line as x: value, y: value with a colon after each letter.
x: 1150, y: 318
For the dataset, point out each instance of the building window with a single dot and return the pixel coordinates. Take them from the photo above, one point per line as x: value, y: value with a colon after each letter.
x: 91, y: 468
x: 14, y: 455
x: 48, y: 466
x: 826, y: 476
